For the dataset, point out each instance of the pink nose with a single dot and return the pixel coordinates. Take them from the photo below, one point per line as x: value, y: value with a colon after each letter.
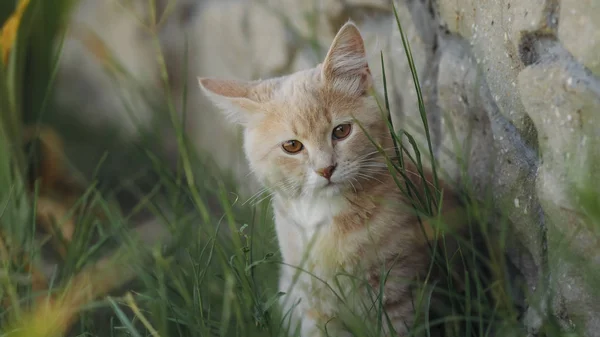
x: 326, y: 172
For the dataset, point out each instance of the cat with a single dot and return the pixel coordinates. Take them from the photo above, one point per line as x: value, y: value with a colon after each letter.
x: 339, y: 215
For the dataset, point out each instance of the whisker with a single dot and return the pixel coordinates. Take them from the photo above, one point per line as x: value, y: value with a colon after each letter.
x: 368, y: 177
x: 263, y: 199
x: 373, y: 152
x: 255, y: 195
x: 270, y: 190
x: 381, y: 165
x: 351, y: 184
x: 373, y: 170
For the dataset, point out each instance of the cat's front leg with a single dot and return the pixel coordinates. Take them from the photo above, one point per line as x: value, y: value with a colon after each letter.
x: 293, y: 306
x: 299, y: 317
x: 312, y: 323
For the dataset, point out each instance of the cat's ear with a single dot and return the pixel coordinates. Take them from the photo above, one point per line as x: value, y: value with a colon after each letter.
x: 345, y: 67
x: 233, y: 97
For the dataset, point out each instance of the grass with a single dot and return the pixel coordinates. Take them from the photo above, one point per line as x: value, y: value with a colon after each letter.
x: 215, y: 273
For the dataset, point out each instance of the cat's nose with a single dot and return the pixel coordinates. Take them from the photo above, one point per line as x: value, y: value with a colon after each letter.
x: 326, y: 172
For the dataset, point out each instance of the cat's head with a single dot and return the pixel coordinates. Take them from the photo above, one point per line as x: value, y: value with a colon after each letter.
x: 302, y: 133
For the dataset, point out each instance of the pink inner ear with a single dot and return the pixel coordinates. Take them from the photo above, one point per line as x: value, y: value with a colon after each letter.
x: 227, y: 88
x: 354, y: 43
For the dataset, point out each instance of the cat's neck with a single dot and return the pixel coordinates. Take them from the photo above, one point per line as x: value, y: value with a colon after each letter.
x: 310, y: 213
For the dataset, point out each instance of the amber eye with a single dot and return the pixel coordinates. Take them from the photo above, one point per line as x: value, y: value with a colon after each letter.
x: 292, y: 146
x: 341, y: 131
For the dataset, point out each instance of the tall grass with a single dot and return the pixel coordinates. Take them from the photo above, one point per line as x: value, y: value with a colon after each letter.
x: 216, y: 273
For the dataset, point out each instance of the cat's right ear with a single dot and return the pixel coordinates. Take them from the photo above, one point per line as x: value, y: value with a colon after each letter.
x: 345, y: 67
x: 235, y: 98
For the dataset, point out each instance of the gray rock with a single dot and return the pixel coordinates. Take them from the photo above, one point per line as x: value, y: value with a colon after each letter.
x: 579, y: 31
x: 563, y: 100
x: 479, y: 141
x: 468, y: 127
x: 496, y: 31
x: 513, y: 191
x: 402, y: 94
x: 466, y: 137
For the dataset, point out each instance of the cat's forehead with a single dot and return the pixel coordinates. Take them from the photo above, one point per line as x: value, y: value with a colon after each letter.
x: 305, y: 107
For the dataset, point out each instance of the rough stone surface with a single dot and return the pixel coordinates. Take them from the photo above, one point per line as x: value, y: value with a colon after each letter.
x: 465, y: 125
x: 402, y: 92
x: 499, y: 32
x: 564, y: 100
x: 512, y: 93
x: 579, y: 31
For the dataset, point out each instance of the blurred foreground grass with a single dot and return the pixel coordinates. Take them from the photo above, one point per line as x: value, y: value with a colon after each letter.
x: 211, y: 268
x: 187, y: 277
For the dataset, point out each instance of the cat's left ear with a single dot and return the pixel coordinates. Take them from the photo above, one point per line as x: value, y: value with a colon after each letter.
x: 345, y: 67
x: 235, y: 98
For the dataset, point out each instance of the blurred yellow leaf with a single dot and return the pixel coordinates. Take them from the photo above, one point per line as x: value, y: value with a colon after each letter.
x: 53, y: 316
x: 96, y: 46
x: 10, y: 28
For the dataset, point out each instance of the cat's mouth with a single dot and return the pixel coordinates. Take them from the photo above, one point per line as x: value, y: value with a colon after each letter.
x: 331, y: 183
x: 331, y: 188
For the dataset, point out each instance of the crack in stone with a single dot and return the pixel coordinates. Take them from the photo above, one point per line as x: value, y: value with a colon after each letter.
x: 531, y: 45
x: 531, y: 42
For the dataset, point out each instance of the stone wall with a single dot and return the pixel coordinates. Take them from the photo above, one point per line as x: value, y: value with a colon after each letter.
x: 512, y: 90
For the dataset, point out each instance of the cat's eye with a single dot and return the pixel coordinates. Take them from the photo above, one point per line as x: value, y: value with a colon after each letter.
x: 341, y: 131
x: 292, y: 146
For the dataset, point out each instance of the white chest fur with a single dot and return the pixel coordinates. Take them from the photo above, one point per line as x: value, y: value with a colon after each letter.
x: 312, y: 216
x: 306, y: 233
x: 308, y: 240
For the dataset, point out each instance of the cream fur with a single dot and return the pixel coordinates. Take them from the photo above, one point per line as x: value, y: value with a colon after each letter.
x: 358, y: 223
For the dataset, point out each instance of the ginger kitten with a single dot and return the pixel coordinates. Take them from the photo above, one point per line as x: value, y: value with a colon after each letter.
x: 340, y: 219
